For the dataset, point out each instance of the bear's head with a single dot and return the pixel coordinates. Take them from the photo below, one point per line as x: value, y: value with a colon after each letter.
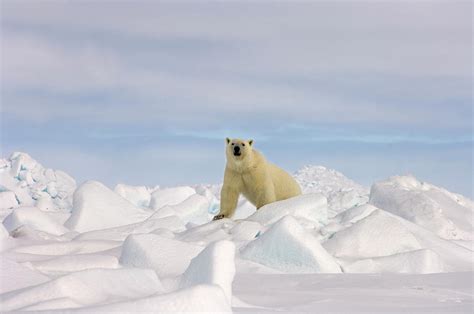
x: 238, y: 150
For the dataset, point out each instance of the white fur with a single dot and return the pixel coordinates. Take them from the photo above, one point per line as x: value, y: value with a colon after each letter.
x: 260, y: 181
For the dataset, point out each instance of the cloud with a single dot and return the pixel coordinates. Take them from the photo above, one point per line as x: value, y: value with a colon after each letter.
x: 197, y: 64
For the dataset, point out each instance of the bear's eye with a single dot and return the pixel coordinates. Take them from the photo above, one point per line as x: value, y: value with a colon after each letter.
x: 233, y: 144
x: 243, y: 144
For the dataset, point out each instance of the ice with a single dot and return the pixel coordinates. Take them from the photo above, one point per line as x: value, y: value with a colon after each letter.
x: 30, y: 181
x: 168, y: 257
x: 65, y: 248
x: 286, y: 246
x: 86, y: 287
x: 139, y: 196
x: 170, y: 196
x: 309, y: 206
x: 342, y: 193
x: 73, y: 263
x: 171, y: 223
x: 98, y: 207
x: 15, y: 276
x: 215, y: 266
x: 417, y: 262
x: 8, y: 199
x: 35, y: 218
x: 3, y: 232
x: 156, y: 250
x: 448, y: 215
x: 197, y: 299
x: 193, y: 209
x: 379, y: 234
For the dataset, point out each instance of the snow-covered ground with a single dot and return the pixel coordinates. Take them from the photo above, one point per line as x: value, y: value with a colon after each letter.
x: 401, y: 246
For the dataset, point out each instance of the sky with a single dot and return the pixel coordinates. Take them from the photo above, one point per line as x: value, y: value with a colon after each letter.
x: 145, y: 92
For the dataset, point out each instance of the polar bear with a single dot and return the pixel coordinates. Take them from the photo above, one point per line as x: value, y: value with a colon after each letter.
x: 248, y: 173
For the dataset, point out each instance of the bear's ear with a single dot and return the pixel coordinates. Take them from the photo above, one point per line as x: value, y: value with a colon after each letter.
x: 250, y: 142
x: 227, y: 140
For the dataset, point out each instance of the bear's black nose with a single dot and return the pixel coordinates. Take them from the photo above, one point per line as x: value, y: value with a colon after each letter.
x: 236, y: 149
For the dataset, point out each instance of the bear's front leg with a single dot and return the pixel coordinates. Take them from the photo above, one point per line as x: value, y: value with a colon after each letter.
x: 229, y: 198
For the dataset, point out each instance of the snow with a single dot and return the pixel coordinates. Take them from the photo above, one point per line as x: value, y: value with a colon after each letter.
x: 98, y: 207
x: 85, y: 288
x: 214, y: 265
x: 170, y: 196
x: 8, y: 199
x: 156, y: 252
x: 379, y: 234
x: 309, y: 206
x: 447, y: 214
x: 197, y: 299
x: 138, y: 248
x: 416, y: 262
x: 287, y: 247
x: 34, y: 218
x: 341, y: 192
x: 139, y: 196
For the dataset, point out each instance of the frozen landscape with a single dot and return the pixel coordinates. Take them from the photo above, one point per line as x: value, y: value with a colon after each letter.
x: 401, y: 245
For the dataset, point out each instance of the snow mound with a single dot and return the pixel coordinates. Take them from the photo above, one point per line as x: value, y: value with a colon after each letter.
x: 74, y: 263
x: 379, y: 234
x: 168, y: 257
x: 342, y: 193
x: 171, y: 223
x: 35, y: 218
x: 30, y: 182
x: 287, y: 247
x: 197, y: 299
x: 65, y: 248
x: 418, y: 262
x: 194, y: 209
x: 448, y: 215
x: 14, y: 276
x: 86, y: 287
x: 170, y: 196
x: 98, y: 207
x: 139, y: 196
x: 215, y: 266
x: 309, y: 206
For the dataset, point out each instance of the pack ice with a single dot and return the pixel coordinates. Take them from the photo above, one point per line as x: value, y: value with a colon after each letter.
x: 136, y: 248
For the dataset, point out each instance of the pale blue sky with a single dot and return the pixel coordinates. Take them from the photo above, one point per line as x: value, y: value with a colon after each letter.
x: 145, y: 92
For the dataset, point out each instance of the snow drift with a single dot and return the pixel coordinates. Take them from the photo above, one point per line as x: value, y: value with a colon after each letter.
x: 138, y: 248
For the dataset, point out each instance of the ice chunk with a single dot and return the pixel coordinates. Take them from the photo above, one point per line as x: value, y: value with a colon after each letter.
x: 172, y: 223
x: 214, y: 265
x: 97, y: 207
x: 64, y: 248
x: 73, y: 263
x: 418, y: 262
x: 197, y: 299
x: 21, y: 161
x: 355, y: 214
x: 342, y: 193
x: 14, y: 276
x: 309, y: 206
x: 193, y: 209
x: 8, y: 199
x: 286, y: 246
x: 448, y: 215
x: 34, y: 218
x: 246, y: 230
x: 168, y: 257
x: 379, y: 234
x: 87, y: 287
x: 139, y: 196
x: 170, y: 196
